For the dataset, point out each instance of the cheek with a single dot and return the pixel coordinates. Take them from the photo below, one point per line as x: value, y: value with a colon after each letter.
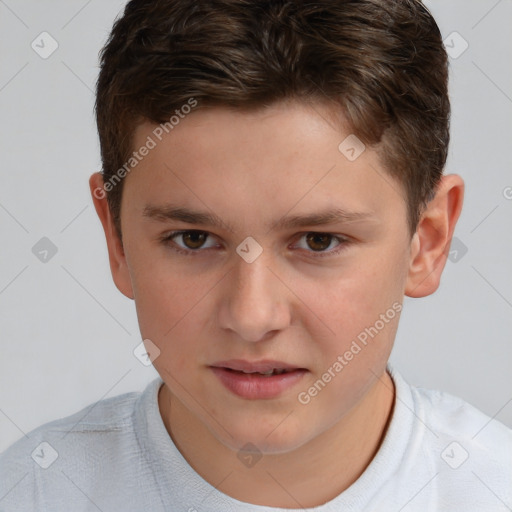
x: 362, y: 305
x: 165, y: 292
x: 363, y: 310
x: 359, y: 296
x: 166, y: 305
x: 175, y: 311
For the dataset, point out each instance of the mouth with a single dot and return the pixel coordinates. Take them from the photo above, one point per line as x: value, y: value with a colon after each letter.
x: 259, y: 379
x: 264, y: 367
x: 266, y: 373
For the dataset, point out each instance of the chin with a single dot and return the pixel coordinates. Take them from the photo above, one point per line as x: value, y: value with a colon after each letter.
x: 266, y: 440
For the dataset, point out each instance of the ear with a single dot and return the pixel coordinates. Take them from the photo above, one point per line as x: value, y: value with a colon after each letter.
x: 117, y: 258
x: 430, y: 244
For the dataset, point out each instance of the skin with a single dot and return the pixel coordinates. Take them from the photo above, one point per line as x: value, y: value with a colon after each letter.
x: 289, y: 304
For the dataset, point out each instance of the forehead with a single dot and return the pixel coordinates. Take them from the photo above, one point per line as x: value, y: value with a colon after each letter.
x: 286, y: 156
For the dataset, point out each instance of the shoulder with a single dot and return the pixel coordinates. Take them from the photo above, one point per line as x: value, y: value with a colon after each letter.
x: 43, y: 458
x: 465, y: 454
x: 451, y: 416
x: 445, y: 415
x: 105, y: 415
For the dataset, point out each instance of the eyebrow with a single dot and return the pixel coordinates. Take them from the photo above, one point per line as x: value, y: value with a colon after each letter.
x: 179, y: 213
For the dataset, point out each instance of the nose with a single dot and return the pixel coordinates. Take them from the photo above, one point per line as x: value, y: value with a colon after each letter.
x: 254, y: 300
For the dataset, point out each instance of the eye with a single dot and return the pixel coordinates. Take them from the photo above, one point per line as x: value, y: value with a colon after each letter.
x: 192, y: 240
x: 319, y: 242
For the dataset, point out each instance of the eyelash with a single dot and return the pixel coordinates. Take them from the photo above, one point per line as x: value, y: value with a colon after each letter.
x: 343, y: 242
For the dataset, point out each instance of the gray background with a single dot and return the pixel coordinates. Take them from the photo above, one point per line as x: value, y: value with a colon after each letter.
x: 67, y: 335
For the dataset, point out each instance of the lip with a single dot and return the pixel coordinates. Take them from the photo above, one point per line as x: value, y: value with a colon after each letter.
x: 264, y: 365
x: 253, y: 386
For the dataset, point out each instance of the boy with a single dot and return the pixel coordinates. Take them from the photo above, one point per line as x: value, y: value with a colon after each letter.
x: 272, y: 187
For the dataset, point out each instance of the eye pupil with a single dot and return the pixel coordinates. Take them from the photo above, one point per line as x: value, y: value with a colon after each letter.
x: 192, y: 236
x: 322, y: 239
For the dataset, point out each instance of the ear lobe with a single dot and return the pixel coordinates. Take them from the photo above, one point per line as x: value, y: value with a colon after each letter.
x: 116, y: 254
x: 430, y: 245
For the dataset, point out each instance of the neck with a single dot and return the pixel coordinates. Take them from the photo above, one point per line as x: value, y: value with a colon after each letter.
x: 284, y: 480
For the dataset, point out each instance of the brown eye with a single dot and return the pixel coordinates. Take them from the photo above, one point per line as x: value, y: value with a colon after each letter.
x: 188, y: 242
x: 194, y: 239
x: 318, y: 241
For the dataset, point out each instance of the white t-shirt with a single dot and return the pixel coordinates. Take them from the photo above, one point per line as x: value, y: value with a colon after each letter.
x: 439, y: 454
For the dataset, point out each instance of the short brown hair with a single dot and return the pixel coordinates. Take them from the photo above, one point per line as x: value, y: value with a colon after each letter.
x: 381, y: 61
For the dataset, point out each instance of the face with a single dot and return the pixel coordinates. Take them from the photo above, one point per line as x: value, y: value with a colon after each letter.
x: 267, y: 285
